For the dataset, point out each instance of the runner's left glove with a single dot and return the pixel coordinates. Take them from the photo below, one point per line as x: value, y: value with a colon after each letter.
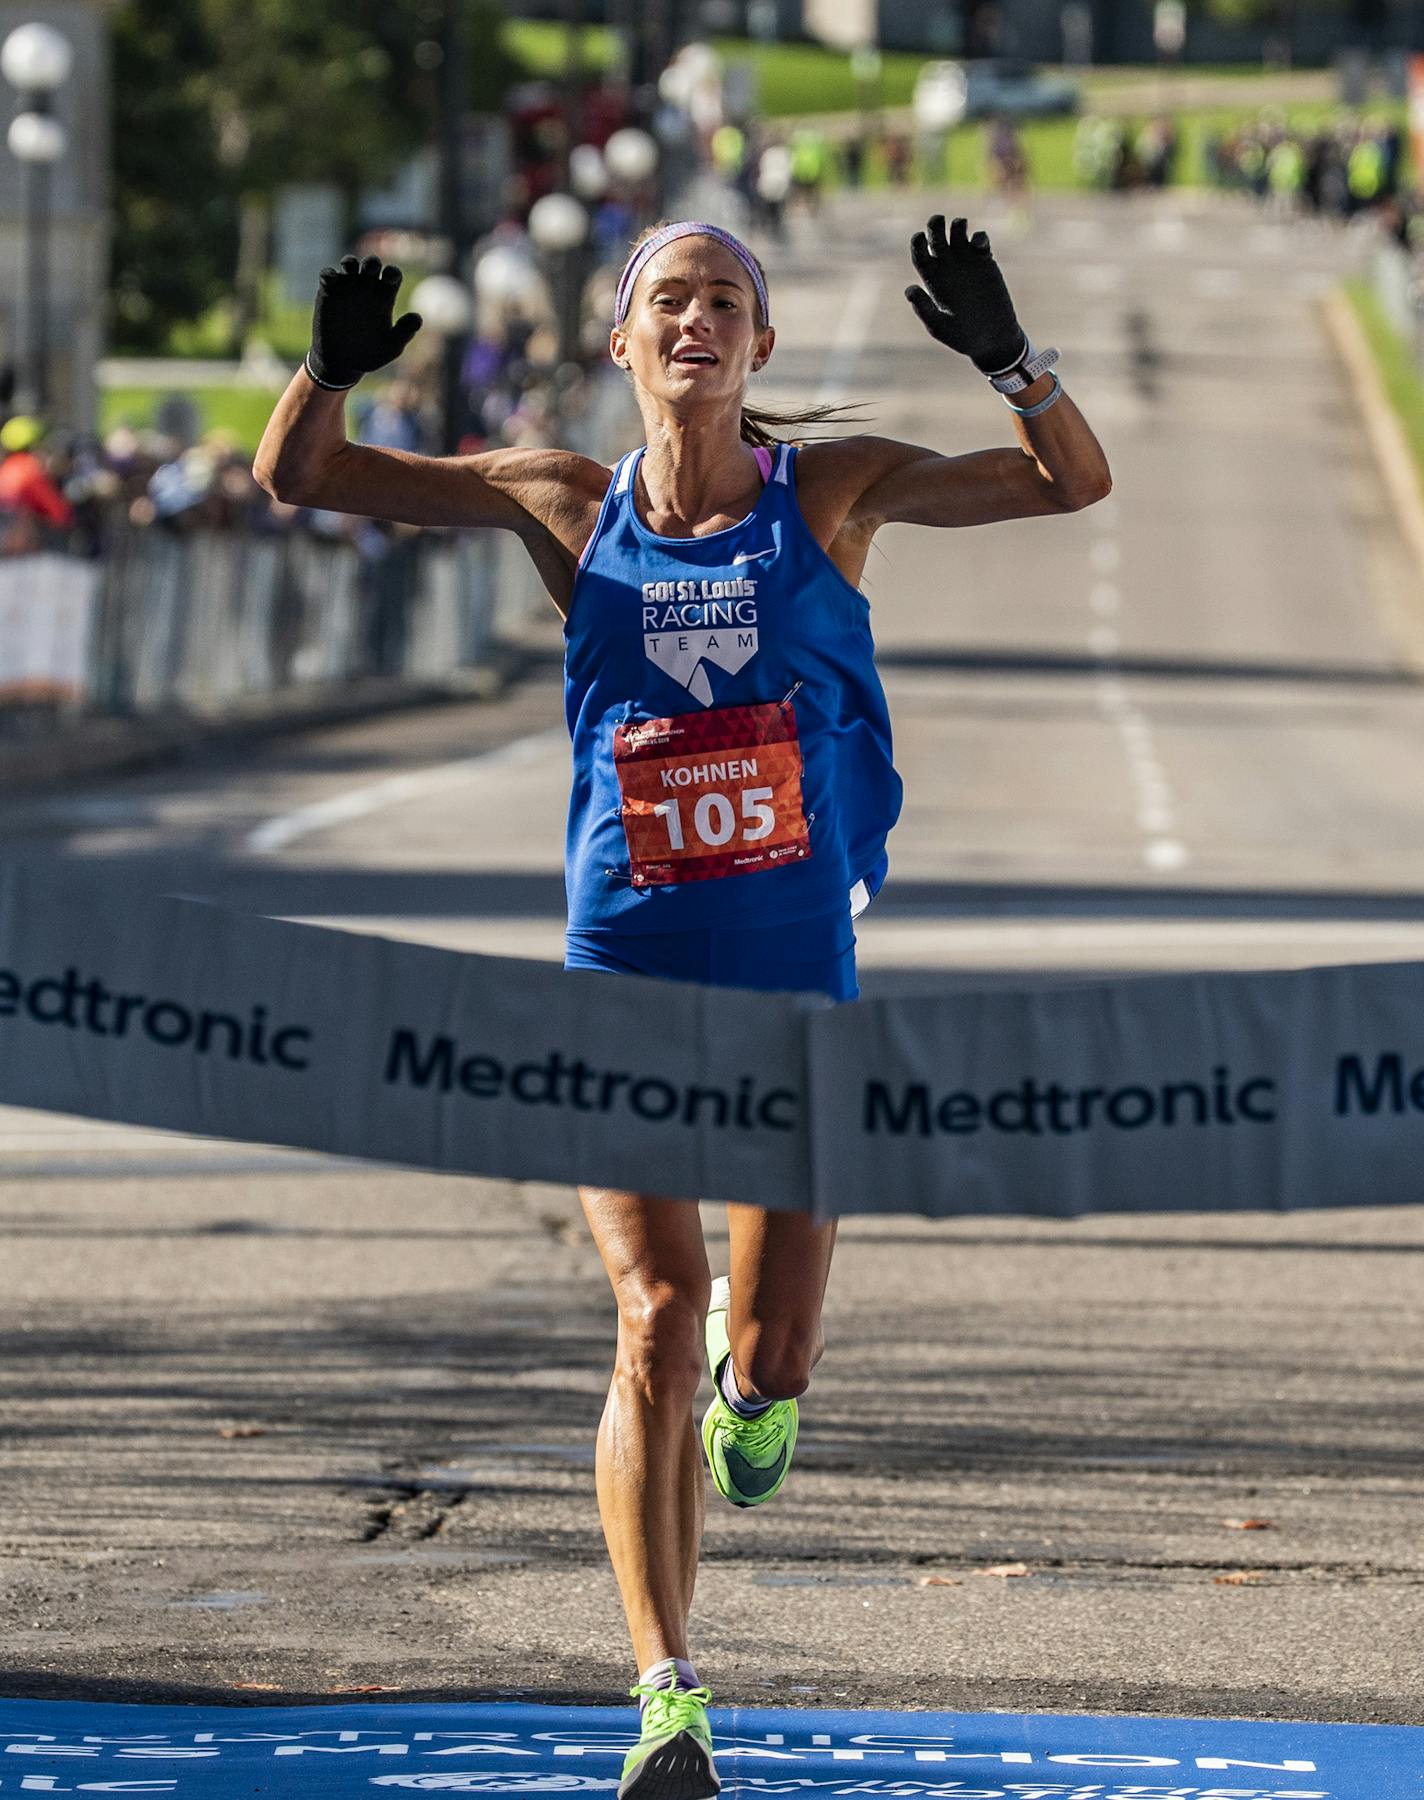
x: 967, y: 306
x: 352, y: 333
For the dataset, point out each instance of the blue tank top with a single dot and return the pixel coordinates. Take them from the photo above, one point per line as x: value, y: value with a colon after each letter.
x: 697, y: 673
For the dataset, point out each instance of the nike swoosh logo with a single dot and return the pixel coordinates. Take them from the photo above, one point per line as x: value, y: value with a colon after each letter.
x: 747, y: 1478
x: 755, y: 556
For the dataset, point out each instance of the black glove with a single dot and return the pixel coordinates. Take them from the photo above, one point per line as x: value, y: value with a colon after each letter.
x: 967, y: 306
x: 352, y: 331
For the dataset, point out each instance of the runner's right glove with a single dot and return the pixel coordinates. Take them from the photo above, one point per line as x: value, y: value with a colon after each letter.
x: 352, y: 333
x: 968, y: 305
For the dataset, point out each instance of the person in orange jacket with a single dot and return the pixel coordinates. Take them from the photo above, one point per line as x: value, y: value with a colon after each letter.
x: 25, y: 484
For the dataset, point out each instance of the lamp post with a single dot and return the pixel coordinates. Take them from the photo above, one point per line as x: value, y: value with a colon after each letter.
x: 558, y: 224
x: 448, y: 308
x: 631, y: 155
x: 35, y: 59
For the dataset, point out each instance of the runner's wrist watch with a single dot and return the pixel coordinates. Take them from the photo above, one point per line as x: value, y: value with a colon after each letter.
x: 1023, y: 373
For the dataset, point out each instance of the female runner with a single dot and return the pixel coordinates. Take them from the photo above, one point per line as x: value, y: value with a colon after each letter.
x: 715, y: 637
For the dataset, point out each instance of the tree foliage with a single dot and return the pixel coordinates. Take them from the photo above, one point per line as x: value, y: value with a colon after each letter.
x: 175, y: 212
x: 220, y: 102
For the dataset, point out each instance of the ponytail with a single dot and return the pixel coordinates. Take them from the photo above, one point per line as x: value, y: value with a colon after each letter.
x: 765, y: 429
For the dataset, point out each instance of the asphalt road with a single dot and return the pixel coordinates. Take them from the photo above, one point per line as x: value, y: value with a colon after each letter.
x: 275, y: 1420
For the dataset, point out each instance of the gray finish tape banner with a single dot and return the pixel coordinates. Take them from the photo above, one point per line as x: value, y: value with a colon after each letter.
x: 1172, y: 1093
x: 174, y: 1013
x: 1198, y: 1092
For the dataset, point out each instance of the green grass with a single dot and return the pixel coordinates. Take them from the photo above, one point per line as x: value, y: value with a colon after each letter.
x: 806, y: 78
x: 791, y: 78
x: 1402, y: 381
x: 809, y: 78
x: 540, y: 45
x: 242, y: 413
x: 1048, y: 144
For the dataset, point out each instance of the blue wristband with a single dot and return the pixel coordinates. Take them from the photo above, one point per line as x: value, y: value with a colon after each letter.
x: 1032, y: 412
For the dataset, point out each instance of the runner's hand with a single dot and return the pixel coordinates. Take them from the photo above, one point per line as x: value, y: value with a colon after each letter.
x: 352, y: 331
x: 967, y: 306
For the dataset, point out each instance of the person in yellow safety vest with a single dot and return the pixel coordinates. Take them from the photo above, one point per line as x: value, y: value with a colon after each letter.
x: 1364, y: 173
x: 1252, y: 163
x: 1285, y: 176
x: 810, y: 158
x: 729, y: 153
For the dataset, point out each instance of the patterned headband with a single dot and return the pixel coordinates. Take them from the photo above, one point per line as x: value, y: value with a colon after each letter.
x: 636, y: 263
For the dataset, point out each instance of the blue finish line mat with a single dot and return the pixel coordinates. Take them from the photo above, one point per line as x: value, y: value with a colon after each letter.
x: 376, y: 1751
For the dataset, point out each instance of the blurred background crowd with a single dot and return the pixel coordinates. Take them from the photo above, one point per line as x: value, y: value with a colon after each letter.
x: 512, y: 221
x: 175, y: 182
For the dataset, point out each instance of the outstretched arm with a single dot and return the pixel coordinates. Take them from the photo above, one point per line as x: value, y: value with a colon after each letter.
x: 306, y: 459
x: 1059, y: 465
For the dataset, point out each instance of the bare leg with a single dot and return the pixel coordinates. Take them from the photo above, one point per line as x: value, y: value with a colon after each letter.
x: 780, y: 1263
x: 649, y: 1464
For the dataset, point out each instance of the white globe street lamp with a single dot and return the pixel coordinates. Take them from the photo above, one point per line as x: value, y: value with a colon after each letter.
x: 36, y: 138
x: 445, y: 304
x: 505, y: 278
x: 588, y: 173
x: 558, y: 222
x: 559, y: 226
x: 631, y: 154
x: 35, y: 59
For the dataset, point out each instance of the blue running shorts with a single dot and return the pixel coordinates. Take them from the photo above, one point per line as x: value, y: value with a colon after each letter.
x: 814, y: 956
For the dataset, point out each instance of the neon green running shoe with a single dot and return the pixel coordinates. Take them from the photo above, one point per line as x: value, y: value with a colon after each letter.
x: 672, y: 1759
x: 749, y: 1458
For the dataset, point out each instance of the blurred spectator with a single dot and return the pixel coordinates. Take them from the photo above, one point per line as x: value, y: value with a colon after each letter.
x: 898, y: 157
x: 1157, y: 144
x: 1008, y: 166
x: 26, y: 483
x: 394, y: 419
x: 1285, y: 177
x: 1336, y: 171
x: 810, y: 165
x: 729, y: 154
x: 773, y: 184
x: 79, y: 493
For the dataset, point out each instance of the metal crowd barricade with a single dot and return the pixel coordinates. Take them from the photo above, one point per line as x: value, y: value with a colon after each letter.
x: 1398, y: 281
x: 198, y: 622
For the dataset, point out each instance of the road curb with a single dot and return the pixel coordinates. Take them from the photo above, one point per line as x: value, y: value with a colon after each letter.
x: 105, y: 746
x: 1387, y: 441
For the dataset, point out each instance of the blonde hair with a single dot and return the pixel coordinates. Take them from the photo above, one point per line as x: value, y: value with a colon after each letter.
x: 762, y: 427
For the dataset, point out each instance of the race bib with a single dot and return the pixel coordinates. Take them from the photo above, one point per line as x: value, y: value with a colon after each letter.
x: 709, y: 794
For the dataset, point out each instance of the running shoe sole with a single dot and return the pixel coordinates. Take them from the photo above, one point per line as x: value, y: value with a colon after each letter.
x: 680, y: 1769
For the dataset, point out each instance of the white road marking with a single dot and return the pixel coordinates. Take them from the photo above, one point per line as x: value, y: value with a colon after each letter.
x: 1097, y: 278
x: 1217, y: 284
x: 1078, y: 234
x: 357, y: 803
x: 1268, y: 238
x: 1168, y: 233
x: 1165, y: 854
x: 861, y: 308
x: 1153, y: 803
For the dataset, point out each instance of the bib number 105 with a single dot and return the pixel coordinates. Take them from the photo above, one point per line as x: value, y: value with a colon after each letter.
x: 714, y: 818
x: 708, y: 795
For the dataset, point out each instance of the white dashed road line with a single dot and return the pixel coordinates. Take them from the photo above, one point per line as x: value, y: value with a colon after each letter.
x: 1155, y: 811
x: 861, y: 310
x: 357, y: 803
